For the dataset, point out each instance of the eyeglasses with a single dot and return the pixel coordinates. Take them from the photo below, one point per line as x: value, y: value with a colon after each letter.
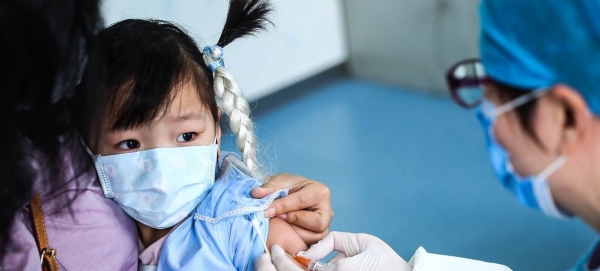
x: 465, y: 80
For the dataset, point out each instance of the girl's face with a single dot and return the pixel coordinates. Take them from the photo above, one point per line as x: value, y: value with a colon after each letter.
x: 187, y: 123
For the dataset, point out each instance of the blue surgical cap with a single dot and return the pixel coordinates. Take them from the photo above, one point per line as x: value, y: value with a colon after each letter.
x: 531, y: 44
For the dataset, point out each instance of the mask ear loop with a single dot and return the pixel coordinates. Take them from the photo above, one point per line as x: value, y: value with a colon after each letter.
x: 553, y: 167
x: 216, y: 129
x: 87, y: 149
x: 104, y: 183
x: 542, y: 190
x: 519, y: 101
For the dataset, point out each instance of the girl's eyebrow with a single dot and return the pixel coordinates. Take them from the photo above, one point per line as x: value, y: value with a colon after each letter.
x: 189, y: 116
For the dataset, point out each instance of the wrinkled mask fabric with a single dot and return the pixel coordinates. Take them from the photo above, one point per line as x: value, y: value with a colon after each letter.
x: 158, y: 187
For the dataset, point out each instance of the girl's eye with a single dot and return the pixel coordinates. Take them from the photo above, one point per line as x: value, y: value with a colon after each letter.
x: 129, y: 144
x: 185, y: 137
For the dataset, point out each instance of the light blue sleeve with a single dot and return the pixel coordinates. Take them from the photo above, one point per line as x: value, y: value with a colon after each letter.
x: 232, y: 244
x: 219, y: 234
x: 245, y: 241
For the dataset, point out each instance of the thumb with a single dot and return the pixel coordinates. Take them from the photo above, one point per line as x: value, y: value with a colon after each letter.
x: 349, y: 243
x: 262, y: 191
x: 350, y: 263
x: 279, y: 181
x: 263, y: 263
x: 281, y: 261
x: 321, y: 249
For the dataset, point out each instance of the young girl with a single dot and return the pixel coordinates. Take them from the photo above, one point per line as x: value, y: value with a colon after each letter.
x: 158, y: 154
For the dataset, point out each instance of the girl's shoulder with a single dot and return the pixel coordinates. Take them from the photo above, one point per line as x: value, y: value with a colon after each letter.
x: 223, y: 223
x: 230, y: 196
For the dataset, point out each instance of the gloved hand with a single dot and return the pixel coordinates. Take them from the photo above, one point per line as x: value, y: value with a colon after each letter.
x: 357, y: 252
x: 278, y: 261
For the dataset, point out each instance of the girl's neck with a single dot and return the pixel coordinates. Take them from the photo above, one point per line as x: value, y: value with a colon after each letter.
x: 150, y: 235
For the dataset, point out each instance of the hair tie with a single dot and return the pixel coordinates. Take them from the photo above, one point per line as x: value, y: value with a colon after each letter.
x: 215, y: 52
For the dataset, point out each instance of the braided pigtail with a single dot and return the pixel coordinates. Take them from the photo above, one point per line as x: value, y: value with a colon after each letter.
x: 245, y: 18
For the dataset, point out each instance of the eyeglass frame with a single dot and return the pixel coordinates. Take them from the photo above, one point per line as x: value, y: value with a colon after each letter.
x: 454, y: 84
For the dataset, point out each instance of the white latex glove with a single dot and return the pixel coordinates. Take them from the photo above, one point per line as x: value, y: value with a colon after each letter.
x: 277, y: 261
x: 357, y: 252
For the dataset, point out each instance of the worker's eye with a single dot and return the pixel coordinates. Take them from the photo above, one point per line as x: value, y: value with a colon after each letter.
x: 129, y: 144
x: 186, y: 137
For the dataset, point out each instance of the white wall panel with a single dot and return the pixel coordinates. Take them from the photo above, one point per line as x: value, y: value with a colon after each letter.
x: 308, y: 37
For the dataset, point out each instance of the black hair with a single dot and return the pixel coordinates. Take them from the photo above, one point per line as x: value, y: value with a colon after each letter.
x: 43, y: 46
x: 245, y: 18
x: 524, y: 112
x: 147, y: 61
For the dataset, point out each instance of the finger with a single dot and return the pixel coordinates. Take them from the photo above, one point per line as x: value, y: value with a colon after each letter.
x: 307, y: 196
x: 279, y: 181
x: 281, y: 261
x: 263, y: 263
x: 321, y: 249
x: 261, y: 192
x: 350, y: 263
x: 309, y: 237
x: 349, y: 243
x: 316, y: 221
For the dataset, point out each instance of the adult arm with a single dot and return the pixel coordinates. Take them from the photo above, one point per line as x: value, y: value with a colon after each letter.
x: 307, y: 207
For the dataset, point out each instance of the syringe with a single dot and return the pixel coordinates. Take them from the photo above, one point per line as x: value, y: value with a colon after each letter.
x: 311, y: 265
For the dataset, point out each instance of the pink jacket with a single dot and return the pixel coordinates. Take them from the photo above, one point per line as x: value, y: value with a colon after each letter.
x: 92, y: 234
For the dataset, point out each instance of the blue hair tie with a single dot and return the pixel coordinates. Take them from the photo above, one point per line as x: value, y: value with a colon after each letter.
x: 215, y: 52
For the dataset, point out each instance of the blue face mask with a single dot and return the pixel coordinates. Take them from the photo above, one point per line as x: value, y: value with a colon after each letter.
x: 531, y: 191
x: 158, y: 187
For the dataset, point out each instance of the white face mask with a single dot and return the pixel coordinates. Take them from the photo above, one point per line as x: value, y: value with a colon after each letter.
x: 158, y: 187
